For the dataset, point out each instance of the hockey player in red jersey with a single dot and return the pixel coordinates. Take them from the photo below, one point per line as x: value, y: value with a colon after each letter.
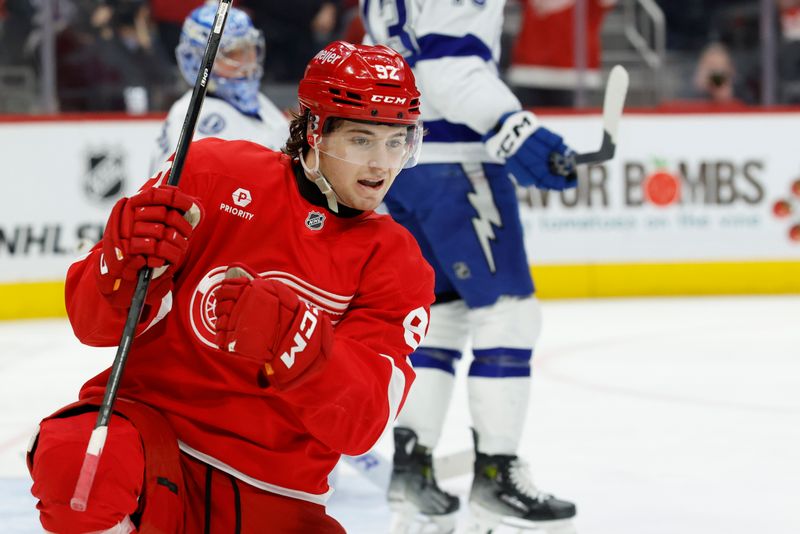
x: 276, y: 331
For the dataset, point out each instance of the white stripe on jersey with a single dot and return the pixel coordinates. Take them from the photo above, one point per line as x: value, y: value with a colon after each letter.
x: 266, y: 486
x: 394, y: 393
x: 335, y: 305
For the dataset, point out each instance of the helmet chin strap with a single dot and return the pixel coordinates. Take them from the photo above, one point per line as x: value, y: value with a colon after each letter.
x: 319, y: 179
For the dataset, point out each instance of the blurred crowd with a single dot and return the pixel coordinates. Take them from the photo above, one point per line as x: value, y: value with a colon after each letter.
x: 118, y: 55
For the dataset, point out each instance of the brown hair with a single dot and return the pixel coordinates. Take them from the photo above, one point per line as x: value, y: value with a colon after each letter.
x: 297, y: 144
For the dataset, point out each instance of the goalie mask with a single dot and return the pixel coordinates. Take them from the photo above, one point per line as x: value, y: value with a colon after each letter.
x: 369, y: 85
x: 238, y: 67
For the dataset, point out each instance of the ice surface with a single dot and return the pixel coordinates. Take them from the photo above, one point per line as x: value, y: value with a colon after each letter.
x: 656, y: 416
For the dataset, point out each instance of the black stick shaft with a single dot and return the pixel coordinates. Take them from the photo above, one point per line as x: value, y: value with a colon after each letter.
x: 91, y: 459
x: 143, y: 282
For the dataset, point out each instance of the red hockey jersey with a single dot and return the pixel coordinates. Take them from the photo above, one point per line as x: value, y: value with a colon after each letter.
x: 361, y: 268
x: 544, y: 50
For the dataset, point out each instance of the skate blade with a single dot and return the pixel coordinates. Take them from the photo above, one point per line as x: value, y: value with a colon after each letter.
x: 483, y: 521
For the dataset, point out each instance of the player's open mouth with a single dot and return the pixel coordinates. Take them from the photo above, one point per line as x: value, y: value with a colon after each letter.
x: 374, y: 184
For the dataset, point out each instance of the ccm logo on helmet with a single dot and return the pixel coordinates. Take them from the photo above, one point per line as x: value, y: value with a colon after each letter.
x: 307, y: 325
x: 388, y: 99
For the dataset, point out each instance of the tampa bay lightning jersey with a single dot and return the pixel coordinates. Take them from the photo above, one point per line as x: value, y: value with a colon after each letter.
x: 454, y: 48
x: 218, y: 118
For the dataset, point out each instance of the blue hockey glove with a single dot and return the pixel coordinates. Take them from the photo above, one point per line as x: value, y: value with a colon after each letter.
x: 533, y: 155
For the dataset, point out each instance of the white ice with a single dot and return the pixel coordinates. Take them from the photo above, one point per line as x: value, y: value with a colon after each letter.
x: 656, y: 416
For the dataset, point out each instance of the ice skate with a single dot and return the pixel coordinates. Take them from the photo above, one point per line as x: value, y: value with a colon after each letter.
x: 503, y: 494
x: 418, y: 504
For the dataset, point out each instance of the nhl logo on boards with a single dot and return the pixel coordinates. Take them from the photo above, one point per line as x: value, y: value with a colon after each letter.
x: 105, y: 173
x: 315, y: 220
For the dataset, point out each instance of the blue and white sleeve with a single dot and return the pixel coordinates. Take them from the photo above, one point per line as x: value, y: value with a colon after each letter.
x: 454, y: 48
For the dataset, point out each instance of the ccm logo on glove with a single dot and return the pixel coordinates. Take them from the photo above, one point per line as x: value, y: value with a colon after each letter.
x: 512, y: 134
x: 264, y: 321
x: 301, y: 337
x: 532, y: 154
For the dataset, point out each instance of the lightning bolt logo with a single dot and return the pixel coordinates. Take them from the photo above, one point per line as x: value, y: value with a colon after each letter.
x: 483, y: 202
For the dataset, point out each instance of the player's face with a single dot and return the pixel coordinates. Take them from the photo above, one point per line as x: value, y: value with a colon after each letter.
x: 362, y: 160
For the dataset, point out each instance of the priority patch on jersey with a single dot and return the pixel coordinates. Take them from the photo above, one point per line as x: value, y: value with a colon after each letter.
x: 315, y: 220
x: 211, y: 124
x: 242, y: 198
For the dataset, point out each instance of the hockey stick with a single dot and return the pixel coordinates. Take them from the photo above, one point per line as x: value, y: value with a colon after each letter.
x: 98, y: 438
x: 378, y: 469
x: 613, y: 102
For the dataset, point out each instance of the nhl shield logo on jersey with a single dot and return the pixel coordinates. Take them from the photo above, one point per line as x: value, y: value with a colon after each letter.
x: 203, y: 306
x: 315, y: 220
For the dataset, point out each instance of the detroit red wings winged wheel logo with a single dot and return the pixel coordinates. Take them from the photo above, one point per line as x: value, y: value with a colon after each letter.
x: 203, y: 306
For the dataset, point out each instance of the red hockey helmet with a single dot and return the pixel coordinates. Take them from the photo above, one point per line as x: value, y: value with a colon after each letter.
x: 359, y: 82
x: 362, y: 83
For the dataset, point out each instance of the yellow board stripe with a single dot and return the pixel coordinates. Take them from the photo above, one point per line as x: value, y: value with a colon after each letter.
x: 46, y: 299
x: 672, y: 279
x: 32, y: 300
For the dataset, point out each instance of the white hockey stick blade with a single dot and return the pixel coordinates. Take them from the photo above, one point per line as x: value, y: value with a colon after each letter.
x: 378, y: 469
x: 613, y: 104
x: 614, y: 100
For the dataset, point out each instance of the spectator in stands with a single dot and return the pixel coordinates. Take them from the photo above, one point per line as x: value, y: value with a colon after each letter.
x: 542, y: 70
x: 117, y: 66
x: 789, y: 51
x: 294, y: 32
x: 715, y: 75
x: 790, y: 19
x: 16, y: 23
x: 352, y: 28
x: 168, y: 16
x: 690, y: 25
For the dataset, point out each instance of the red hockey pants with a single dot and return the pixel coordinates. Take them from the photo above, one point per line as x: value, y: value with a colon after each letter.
x: 142, y: 476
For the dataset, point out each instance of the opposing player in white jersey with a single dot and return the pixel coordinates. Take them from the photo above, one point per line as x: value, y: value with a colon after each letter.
x: 234, y: 108
x: 460, y: 203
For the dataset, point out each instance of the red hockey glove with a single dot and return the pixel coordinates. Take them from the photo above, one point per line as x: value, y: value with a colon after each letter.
x: 263, y: 320
x: 151, y: 228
